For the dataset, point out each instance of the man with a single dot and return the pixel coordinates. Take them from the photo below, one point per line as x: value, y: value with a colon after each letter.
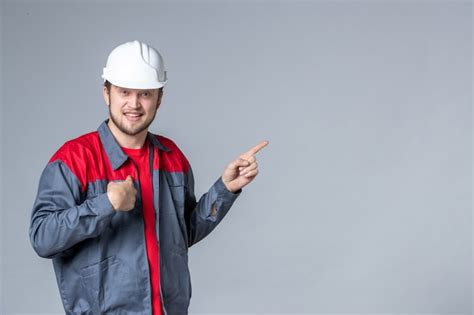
x: 115, y: 208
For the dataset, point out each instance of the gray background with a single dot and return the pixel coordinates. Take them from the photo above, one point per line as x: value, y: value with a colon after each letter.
x: 363, y: 200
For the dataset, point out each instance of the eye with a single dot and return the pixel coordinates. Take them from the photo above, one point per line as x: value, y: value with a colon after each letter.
x: 146, y: 94
x: 124, y: 92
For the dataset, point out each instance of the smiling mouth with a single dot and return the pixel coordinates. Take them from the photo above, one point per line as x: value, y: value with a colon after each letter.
x: 132, y: 117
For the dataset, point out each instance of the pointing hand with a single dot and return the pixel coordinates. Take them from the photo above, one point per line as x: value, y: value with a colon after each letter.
x: 241, y: 171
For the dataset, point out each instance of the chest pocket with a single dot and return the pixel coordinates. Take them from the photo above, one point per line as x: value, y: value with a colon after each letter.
x: 177, y: 194
x: 177, y: 191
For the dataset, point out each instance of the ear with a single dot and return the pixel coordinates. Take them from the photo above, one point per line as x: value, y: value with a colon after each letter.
x: 160, y: 94
x: 106, y: 96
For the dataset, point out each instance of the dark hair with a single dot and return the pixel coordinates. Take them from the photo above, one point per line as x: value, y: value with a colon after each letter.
x: 108, y: 85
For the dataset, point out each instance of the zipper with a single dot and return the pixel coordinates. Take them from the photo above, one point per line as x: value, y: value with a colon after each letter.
x: 144, y: 236
x: 157, y: 218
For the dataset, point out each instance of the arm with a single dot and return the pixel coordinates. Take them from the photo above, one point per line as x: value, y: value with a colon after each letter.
x: 203, y: 216
x: 58, y: 221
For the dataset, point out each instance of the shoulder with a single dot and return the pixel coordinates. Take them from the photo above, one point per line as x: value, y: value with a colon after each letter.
x: 75, y: 149
x: 76, y: 154
x: 174, y: 154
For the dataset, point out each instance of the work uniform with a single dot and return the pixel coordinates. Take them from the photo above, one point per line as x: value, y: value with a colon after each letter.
x: 99, y: 255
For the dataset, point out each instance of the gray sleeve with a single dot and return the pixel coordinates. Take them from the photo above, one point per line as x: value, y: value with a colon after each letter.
x: 59, y: 218
x: 198, y: 216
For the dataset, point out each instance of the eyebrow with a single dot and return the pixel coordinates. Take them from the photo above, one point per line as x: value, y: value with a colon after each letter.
x: 127, y: 89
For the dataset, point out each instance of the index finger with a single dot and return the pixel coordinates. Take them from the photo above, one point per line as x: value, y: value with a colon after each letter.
x: 256, y: 148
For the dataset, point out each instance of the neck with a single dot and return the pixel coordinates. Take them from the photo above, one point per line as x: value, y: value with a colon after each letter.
x: 125, y: 140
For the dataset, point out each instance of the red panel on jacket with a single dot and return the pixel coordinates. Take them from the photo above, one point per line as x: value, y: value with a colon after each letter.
x: 87, y: 159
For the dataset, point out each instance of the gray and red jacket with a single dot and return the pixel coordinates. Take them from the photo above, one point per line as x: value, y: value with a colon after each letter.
x: 99, y: 254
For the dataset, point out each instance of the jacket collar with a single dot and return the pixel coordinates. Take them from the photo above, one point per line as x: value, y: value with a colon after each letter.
x: 114, y: 152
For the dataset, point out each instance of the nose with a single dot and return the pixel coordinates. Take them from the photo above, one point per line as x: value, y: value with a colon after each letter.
x: 134, y: 101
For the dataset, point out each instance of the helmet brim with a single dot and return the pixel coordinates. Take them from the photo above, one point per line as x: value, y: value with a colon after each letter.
x: 136, y: 85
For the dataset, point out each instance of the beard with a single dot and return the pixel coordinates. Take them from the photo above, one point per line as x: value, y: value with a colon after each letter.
x: 135, y: 128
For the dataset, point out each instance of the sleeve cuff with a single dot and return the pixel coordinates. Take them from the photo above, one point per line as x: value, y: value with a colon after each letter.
x: 223, y: 192
x: 102, y: 205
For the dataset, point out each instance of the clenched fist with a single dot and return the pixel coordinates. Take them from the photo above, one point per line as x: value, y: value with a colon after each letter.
x: 122, y: 195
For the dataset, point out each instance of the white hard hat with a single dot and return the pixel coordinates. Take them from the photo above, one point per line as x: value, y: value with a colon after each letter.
x: 135, y: 65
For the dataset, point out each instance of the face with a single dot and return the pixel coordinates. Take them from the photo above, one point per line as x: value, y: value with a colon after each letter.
x: 132, y: 110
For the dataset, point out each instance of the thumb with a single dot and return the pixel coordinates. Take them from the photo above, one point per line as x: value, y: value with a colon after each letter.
x: 129, y: 178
